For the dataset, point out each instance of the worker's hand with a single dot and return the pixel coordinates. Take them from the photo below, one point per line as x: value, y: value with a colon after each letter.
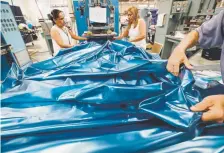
x: 213, y: 108
x: 152, y: 27
x: 84, y: 35
x: 177, y: 57
x: 87, y: 33
x: 117, y: 38
x: 130, y: 40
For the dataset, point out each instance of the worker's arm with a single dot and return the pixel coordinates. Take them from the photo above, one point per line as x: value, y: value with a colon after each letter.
x: 210, y: 34
x: 189, y: 41
x: 123, y: 35
x: 142, y: 29
x: 178, y: 55
x: 76, y: 37
x: 56, y: 36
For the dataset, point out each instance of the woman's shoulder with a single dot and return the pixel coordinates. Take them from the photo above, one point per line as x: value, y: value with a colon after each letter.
x: 53, y: 28
x: 141, y: 20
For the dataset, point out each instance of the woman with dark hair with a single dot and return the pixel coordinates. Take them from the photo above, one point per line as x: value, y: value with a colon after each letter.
x: 136, y: 30
x: 60, y: 34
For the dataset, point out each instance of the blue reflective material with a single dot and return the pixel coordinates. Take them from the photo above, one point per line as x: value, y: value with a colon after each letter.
x: 111, y: 97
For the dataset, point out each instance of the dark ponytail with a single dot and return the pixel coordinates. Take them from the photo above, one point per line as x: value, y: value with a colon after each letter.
x: 54, y: 15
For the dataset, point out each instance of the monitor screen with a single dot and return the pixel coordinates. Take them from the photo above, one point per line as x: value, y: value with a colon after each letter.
x: 98, y: 14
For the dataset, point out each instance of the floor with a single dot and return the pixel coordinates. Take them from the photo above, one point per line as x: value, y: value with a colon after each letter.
x: 197, y: 60
x: 39, y: 51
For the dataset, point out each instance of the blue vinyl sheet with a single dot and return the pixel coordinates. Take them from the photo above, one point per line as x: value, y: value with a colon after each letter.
x: 112, y: 97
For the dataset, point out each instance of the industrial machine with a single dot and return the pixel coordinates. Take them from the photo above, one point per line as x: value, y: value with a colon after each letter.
x: 11, y: 36
x: 181, y: 18
x: 99, y: 19
x: 180, y: 7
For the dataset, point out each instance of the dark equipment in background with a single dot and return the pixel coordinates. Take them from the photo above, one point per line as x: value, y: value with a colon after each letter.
x: 211, y: 54
x: 18, y: 14
x: 13, y: 48
x: 28, y: 35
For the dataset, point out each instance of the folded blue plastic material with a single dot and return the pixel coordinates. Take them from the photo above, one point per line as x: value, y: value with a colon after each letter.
x: 113, y: 97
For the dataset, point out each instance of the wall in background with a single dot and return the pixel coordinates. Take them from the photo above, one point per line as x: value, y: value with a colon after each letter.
x: 123, y: 6
x: 28, y: 8
x: 31, y: 12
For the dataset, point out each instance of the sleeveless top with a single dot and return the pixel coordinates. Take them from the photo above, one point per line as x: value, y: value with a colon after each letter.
x: 65, y: 36
x: 135, y: 32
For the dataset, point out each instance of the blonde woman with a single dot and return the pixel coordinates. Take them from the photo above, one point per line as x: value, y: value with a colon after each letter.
x: 136, y: 30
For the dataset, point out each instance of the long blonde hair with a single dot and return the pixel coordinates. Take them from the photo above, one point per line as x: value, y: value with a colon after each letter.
x: 133, y: 11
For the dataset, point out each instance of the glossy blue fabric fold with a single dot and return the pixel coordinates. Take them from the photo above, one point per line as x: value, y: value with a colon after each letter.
x: 98, y: 98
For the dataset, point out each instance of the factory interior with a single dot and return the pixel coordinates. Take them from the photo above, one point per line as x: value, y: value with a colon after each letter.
x: 80, y: 76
